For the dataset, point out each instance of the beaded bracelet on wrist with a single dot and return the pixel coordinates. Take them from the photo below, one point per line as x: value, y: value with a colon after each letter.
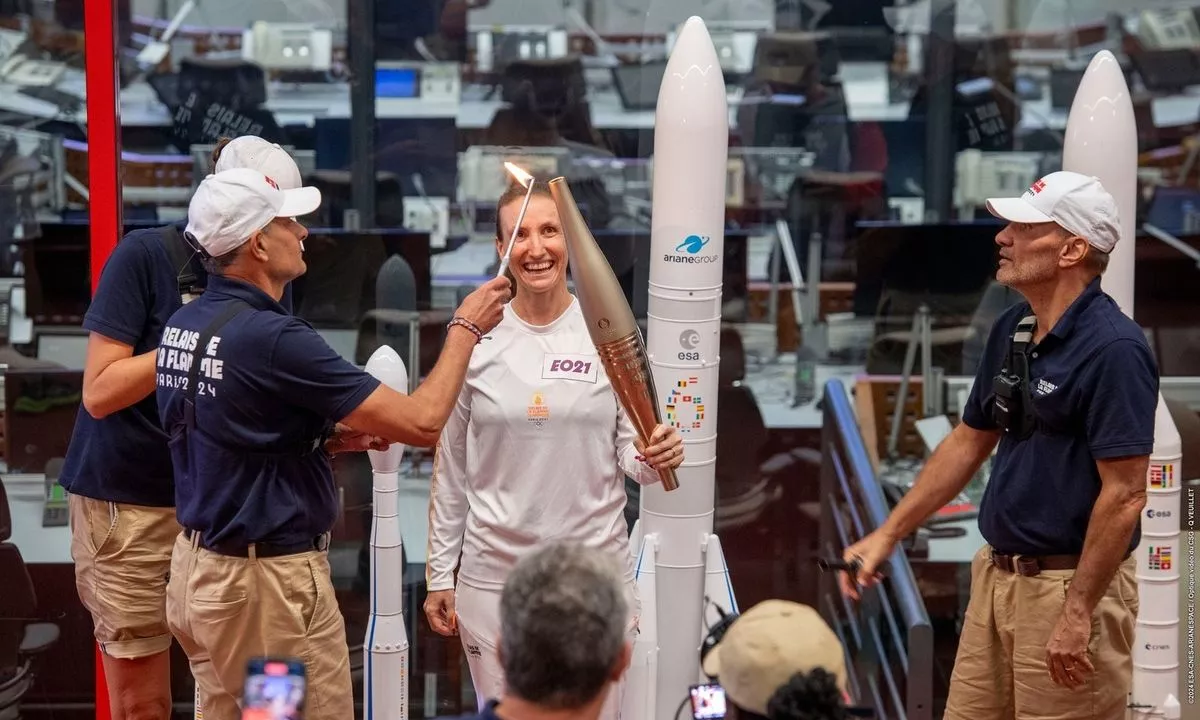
x: 464, y: 323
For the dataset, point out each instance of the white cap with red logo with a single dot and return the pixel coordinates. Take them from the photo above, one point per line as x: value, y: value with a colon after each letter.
x: 1078, y: 203
x: 230, y: 206
x: 251, y: 151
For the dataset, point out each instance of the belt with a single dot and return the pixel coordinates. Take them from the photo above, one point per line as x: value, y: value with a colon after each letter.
x: 319, y: 543
x: 1030, y: 565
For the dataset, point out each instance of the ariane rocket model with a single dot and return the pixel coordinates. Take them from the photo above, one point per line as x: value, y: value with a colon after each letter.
x: 1101, y: 141
x: 385, y: 649
x: 680, y: 568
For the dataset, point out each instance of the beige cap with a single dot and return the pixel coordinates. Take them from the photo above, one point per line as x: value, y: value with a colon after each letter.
x: 767, y: 645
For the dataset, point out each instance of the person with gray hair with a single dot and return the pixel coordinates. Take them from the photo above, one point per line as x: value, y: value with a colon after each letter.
x: 563, y: 636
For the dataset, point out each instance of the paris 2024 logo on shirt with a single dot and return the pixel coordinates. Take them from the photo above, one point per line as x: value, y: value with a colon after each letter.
x: 538, y: 413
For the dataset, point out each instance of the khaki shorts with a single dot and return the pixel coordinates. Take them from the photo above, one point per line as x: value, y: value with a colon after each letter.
x: 225, y: 610
x: 122, y: 555
x: 1000, y: 672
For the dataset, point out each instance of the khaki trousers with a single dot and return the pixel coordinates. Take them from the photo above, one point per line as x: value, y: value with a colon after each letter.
x: 122, y: 556
x: 225, y: 610
x: 1000, y: 672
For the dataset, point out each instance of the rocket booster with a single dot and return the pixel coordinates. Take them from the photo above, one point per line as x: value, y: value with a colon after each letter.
x: 610, y: 321
x: 385, y: 670
x: 687, y: 243
x: 1101, y: 141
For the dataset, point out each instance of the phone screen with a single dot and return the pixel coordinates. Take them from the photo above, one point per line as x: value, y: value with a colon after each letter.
x: 275, y: 689
x: 708, y: 702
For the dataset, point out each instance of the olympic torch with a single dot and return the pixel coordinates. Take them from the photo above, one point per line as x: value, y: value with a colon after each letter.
x: 610, y: 322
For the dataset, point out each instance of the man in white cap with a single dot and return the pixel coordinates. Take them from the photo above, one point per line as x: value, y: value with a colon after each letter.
x: 778, y: 660
x: 1068, y: 388
x: 118, y: 468
x: 249, y: 395
x: 251, y: 151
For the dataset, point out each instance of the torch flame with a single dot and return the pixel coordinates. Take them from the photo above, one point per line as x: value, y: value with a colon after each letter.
x: 522, y: 177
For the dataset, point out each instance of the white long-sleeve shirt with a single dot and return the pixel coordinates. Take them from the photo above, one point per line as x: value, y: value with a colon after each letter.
x: 537, y: 448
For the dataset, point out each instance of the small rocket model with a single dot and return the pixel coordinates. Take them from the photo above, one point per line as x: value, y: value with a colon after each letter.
x: 609, y: 321
x: 680, y: 569
x: 385, y: 650
x: 1101, y: 141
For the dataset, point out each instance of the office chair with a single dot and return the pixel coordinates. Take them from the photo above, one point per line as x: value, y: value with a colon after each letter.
x: 21, y: 638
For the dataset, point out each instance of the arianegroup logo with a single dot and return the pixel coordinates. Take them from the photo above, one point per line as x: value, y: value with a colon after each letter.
x: 690, y: 251
x: 538, y: 413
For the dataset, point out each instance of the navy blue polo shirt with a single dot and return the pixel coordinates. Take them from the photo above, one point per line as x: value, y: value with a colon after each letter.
x: 269, y: 388
x: 1094, y: 385
x: 123, y: 457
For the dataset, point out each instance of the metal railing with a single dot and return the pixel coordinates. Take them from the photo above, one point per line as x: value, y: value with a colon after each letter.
x: 887, y: 633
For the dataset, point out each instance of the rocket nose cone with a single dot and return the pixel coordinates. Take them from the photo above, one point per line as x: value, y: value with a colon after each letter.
x: 1103, y: 57
x: 691, y: 32
x: 386, y: 366
x: 1103, y: 76
x: 693, y: 86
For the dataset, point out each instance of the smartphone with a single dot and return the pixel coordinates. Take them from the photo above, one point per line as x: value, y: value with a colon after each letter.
x: 275, y: 689
x: 708, y: 702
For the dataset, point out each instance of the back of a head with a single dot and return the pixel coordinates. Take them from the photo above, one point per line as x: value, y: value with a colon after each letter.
x: 562, y: 625
x: 780, y: 660
x: 812, y: 695
x: 254, y: 153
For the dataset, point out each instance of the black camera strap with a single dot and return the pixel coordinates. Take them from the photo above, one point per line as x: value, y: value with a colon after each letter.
x: 181, y: 252
x: 230, y: 311
x: 1018, y: 363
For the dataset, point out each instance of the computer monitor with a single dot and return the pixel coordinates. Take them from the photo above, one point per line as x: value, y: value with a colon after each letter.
x: 405, y: 146
x: 637, y: 85
x: 945, y: 259
x: 1175, y: 210
x: 40, y: 410
x: 58, y: 274
x: 339, y: 287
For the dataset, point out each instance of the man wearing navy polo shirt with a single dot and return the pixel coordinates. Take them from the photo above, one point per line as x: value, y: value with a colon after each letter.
x: 247, y: 393
x: 118, y: 469
x: 1049, y: 628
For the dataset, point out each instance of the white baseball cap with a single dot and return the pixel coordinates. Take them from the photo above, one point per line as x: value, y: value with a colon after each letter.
x: 232, y: 205
x: 1078, y: 203
x: 251, y: 151
x: 767, y: 645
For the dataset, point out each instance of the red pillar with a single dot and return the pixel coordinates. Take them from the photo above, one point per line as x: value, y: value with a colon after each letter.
x: 104, y: 177
x: 104, y: 131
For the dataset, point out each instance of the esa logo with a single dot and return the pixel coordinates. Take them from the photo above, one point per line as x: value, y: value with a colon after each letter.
x: 688, y: 340
x: 690, y: 251
x: 1152, y: 514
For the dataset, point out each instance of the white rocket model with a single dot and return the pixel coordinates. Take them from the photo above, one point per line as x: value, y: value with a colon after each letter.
x: 385, y: 650
x: 678, y: 559
x: 1101, y: 141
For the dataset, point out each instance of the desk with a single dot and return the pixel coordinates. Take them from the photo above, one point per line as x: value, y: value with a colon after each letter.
x: 302, y: 104
x: 960, y: 549
x: 773, y: 386
x: 38, y: 545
